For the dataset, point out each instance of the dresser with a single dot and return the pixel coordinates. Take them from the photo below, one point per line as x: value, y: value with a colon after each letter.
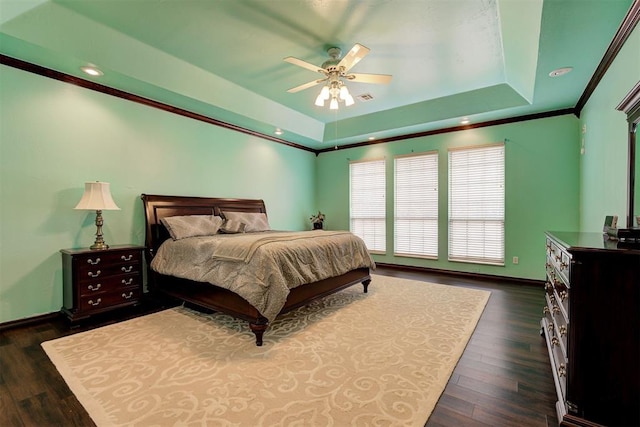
x: 96, y: 281
x: 592, y: 330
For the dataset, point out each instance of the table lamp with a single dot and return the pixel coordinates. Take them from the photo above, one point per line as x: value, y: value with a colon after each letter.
x: 97, y: 196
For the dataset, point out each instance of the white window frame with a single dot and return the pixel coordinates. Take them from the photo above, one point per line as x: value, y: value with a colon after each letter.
x: 367, y: 203
x: 416, y: 205
x: 477, y: 204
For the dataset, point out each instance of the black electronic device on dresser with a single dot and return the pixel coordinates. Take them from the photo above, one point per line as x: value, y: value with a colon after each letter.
x: 97, y: 281
x: 592, y: 328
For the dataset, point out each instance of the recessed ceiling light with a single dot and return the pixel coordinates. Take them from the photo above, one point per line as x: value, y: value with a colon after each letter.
x: 560, y: 72
x: 92, y: 71
x: 278, y: 131
x: 465, y: 121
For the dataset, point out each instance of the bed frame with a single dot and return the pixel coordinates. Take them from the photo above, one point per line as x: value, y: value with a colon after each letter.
x: 214, y: 297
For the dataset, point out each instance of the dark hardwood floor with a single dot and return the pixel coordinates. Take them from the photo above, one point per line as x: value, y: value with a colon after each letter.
x: 503, y: 378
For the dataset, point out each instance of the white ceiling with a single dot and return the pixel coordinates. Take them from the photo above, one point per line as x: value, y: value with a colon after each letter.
x: 482, y: 59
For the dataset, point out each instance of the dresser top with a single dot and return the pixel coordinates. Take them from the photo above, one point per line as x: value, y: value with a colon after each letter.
x: 579, y: 242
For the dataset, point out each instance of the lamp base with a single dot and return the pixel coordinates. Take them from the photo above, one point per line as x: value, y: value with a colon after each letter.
x: 97, y: 246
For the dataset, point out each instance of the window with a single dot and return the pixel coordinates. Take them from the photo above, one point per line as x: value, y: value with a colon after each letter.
x: 416, y: 205
x: 476, y: 204
x: 368, y: 204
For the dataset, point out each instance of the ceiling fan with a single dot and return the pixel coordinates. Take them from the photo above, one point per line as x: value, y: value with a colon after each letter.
x: 334, y: 70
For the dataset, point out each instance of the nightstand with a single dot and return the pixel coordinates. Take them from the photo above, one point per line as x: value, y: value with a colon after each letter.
x: 96, y: 281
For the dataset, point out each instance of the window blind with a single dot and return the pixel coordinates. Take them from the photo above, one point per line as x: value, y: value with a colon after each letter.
x: 416, y: 205
x: 368, y: 203
x: 476, y: 204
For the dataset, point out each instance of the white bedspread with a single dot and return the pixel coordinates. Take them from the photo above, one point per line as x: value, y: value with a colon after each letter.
x: 265, y: 265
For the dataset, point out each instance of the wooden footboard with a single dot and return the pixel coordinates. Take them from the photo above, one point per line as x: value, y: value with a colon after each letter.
x: 222, y: 300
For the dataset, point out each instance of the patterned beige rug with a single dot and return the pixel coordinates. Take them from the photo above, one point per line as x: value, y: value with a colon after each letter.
x: 351, y: 359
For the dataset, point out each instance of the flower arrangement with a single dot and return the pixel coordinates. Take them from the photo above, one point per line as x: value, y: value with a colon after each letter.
x: 317, y: 220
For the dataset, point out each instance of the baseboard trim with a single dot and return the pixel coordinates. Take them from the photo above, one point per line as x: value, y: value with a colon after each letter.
x: 489, y: 277
x: 28, y: 321
x: 453, y: 273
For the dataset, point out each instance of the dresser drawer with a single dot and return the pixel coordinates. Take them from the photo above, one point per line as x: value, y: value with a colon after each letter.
x: 560, y: 259
x: 559, y: 363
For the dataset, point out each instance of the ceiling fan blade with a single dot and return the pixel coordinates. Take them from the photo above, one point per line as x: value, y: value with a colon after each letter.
x: 306, y: 86
x: 304, y: 64
x: 354, y: 56
x: 369, y: 78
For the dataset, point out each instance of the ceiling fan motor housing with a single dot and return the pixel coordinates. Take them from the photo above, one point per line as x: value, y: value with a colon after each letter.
x: 334, y: 53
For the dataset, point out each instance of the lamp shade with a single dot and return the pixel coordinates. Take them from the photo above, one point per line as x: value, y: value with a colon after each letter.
x: 97, y: 197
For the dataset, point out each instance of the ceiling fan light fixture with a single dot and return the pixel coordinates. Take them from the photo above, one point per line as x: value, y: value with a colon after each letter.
x: 320, y: 100
x: 349, y: 101
x: 344, y: 92
x: 334, y: 104
x: 324, y: 93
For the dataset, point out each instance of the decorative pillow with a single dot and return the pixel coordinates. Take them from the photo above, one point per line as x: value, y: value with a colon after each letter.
x: 181, y: 227
x: 254, y: 221
x: 232, y: 227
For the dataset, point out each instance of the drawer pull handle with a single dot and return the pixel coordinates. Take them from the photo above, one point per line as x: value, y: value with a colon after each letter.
x: 127, y: 282
x: 563, y: 265
x: 563, y: 295
x: 127, y: 269
x: 94, y: 288
x: 92, y: 274
x: 556, y: 309
x: 562, y: 370
x: 98, y: 301
x: 563, y: 330
x: 545, y: 310
x: 126, y: 258
x: 92, y: 262
x: 550, y: 327
x: 125, y: 296
x: 554, y: 341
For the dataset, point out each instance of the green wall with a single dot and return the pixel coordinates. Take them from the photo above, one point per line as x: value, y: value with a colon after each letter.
x: 542, y: 188
x: 604, y: 163
x: 55, y: 136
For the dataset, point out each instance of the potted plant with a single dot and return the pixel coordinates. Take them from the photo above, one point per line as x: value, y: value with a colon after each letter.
x: 317, y: 220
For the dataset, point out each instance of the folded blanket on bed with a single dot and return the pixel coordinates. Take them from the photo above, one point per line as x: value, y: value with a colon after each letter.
x: 242, y: 247
x: 279, y: 261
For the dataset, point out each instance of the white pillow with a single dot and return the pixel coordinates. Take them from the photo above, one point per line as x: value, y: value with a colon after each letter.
x: 253, y: 221
x: 181, y: 227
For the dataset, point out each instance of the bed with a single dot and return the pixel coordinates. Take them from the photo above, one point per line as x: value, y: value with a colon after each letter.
x: 209, y: 292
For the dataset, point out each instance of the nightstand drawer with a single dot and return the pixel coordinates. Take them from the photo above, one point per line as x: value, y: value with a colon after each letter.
x: 101, y: 258
x: 108, y: 284
x: 89, y: 273
x: 110, y: 299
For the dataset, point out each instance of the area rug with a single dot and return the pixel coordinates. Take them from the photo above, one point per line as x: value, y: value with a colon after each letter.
x: 350, y: 359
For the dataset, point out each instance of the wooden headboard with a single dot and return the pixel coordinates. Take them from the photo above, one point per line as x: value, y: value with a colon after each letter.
x: 157, y: 207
